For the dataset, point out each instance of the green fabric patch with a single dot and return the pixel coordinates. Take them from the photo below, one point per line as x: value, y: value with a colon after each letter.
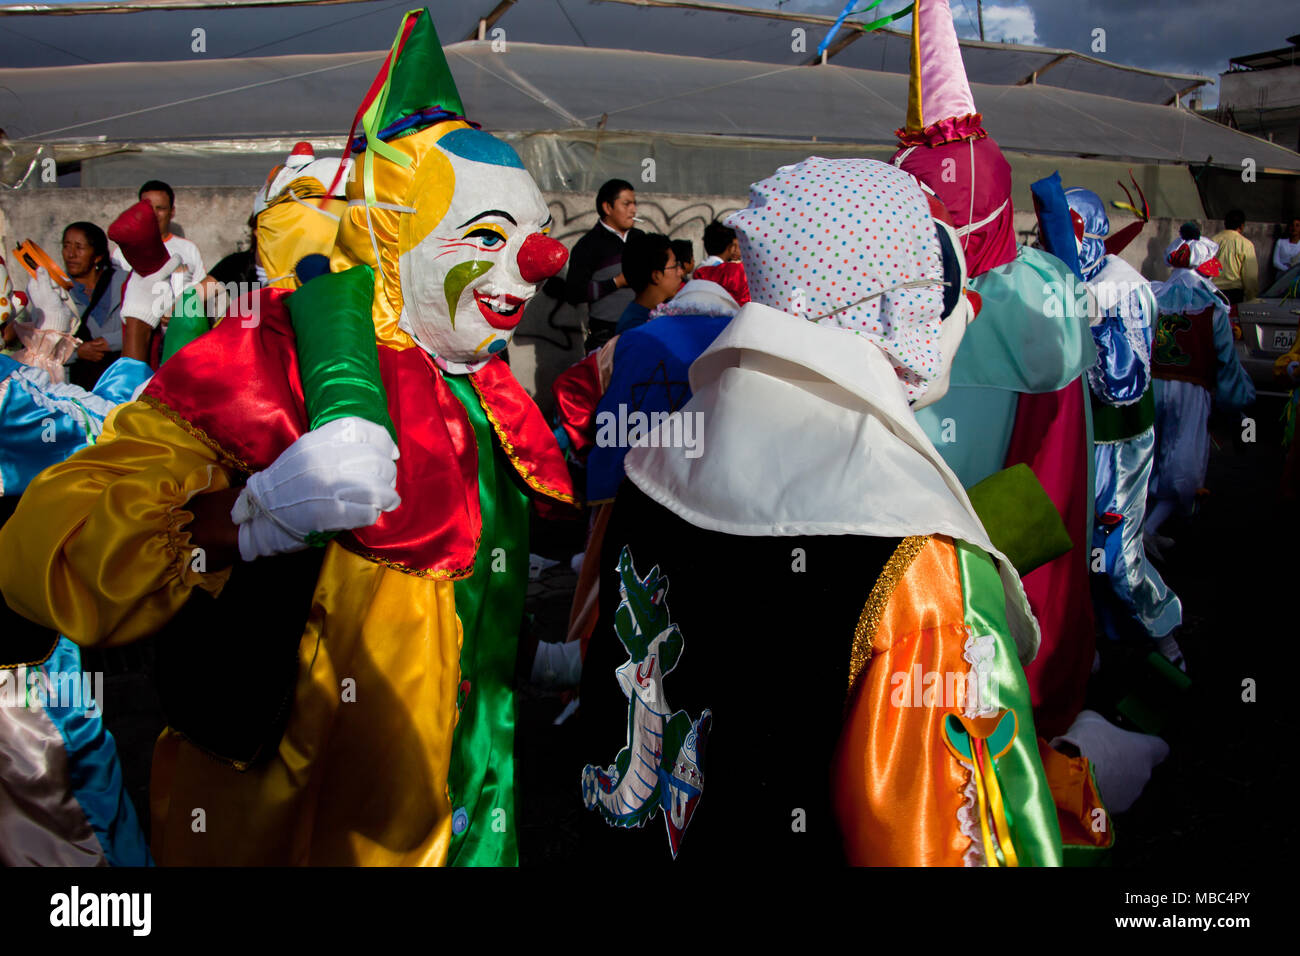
x: 1020, y: 518
x: 1112, y: 423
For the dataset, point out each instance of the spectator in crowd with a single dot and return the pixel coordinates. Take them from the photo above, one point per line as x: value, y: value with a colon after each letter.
x: 190, y: 272
x: 720, y: 244
x: 653, y: 273
x: 1239, y: 279
x: 1287, y: 251
x: 684, y: 249
x: 97, y: 295
x: 596, y: 264
x: 723, y: 264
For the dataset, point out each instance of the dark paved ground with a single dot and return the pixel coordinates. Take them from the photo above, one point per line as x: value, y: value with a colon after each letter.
x: 1217, y: 799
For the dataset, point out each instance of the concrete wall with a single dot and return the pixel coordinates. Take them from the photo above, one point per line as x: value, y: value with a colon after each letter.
x: 212, y: 217
x: 1260, y: 89
x: 549, y: 337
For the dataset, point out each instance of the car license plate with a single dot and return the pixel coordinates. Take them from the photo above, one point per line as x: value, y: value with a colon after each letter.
x: 1283, y: 339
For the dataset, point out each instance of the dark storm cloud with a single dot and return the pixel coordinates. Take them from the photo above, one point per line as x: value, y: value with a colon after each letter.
x: 1185, y: 36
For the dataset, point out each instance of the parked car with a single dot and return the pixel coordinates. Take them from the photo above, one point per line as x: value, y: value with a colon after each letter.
x: 1268, y: 326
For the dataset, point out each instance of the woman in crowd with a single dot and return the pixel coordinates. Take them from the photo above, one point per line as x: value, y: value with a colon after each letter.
x: 97, y: 294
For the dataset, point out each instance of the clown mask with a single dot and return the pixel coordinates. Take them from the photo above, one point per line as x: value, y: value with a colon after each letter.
x: 468, y: 276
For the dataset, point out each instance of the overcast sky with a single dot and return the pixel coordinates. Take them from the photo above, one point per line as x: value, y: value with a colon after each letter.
x: 1183, y: 36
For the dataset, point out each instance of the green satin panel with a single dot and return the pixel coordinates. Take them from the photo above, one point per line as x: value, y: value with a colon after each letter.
x: 490, y: 604
x: 1024, y: 339
x: 187, y: 323
x: 1030, y: 808
x: 1115, y: 423
x: 338, y: 360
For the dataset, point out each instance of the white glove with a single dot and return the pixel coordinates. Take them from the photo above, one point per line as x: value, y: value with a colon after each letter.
x: 557, y: 666
x: 338, y: 477
x: 149, y: 298
x: 50, y: 307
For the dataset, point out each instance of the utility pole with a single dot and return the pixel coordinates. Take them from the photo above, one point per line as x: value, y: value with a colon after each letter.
x: 979, y: 8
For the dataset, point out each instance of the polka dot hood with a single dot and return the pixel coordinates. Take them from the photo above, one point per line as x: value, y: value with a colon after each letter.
x: 850, y: 243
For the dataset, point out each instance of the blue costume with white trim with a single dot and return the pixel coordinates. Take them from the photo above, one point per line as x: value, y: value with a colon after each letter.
x: 61, y: 795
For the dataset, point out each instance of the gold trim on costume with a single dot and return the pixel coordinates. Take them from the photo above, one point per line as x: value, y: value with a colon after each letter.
x: 444, y: 574
x: 864, y: 635
x: 48, y: 654
x: 535, y: 483
x: 197, y: 432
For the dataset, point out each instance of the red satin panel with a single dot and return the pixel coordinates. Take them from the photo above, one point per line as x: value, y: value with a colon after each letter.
x: 437, y: 526
x: 1050, y: 436
x: 522, y: 431
x: 577, y: 392
x: 239, y: 389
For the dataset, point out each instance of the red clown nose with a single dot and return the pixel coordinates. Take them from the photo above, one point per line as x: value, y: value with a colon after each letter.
x: 540, y: 257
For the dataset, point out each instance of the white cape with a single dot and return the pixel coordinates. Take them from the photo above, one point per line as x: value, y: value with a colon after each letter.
x: 806, y: 431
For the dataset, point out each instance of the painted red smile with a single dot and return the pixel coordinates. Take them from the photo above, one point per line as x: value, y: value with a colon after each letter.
x: 500, y: 311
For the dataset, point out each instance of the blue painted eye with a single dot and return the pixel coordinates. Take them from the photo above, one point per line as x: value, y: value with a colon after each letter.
x: 488, y: 238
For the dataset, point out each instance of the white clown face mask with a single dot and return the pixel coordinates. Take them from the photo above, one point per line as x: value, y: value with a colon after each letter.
x: 466, y: 283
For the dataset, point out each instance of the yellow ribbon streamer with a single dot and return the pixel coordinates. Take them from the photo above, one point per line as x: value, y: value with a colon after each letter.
x: 1000, y: 823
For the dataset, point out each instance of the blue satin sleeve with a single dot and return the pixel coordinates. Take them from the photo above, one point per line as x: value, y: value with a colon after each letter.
x: 121, y: 379
x: 43, y: 424
x: 1122, y: 371
x: 1232, y: 387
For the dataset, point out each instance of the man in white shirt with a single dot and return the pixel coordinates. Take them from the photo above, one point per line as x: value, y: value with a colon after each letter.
x: 1287, y: 251
x: 190, y: 272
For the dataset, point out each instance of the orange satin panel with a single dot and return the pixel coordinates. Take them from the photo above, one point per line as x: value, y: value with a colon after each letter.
x: 353, y: 782
x: 895, y: 786
x: 1075, y: 796
x: 94, y: 549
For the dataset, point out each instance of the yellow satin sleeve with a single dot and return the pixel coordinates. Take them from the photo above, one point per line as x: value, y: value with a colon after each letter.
x: 360, y: 775
x: 95, y: 548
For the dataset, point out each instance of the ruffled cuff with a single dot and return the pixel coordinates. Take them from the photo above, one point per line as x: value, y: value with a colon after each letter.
x: 188, y: 563
x: 953, y: 129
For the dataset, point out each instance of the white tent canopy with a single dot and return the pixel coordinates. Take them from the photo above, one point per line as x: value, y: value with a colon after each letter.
x: 531, y: 87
